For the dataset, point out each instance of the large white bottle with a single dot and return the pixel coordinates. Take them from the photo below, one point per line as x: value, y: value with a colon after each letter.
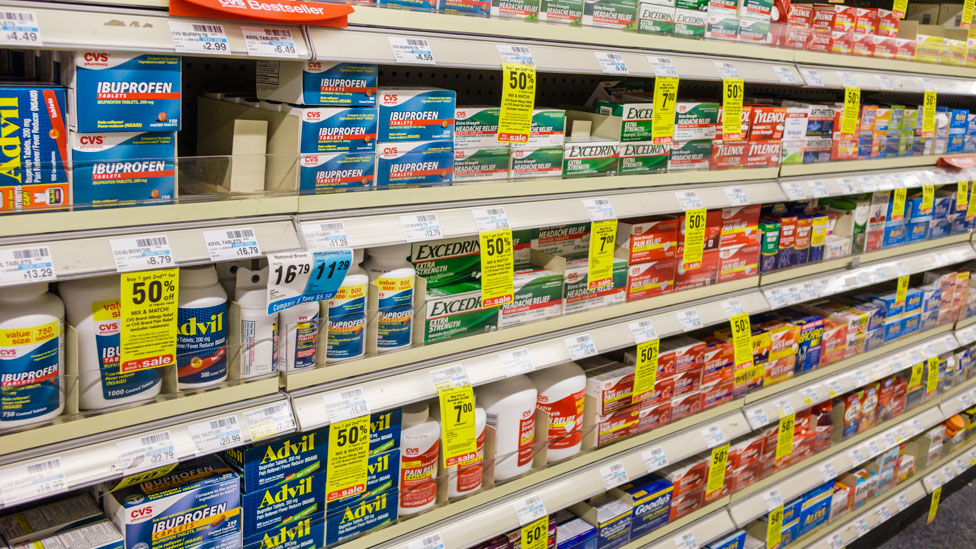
x: 420, y: 439
x: 466, y: 479
x: 392, y: 278
x: 201, y: 336
x: 510, y: 408
x: 346, y: 315
x: 561, y: 392
x: 259, y: 330
x: 31, y: 355
x: 95, y: 310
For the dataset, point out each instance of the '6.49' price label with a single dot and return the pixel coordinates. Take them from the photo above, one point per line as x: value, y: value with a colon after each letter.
x: 269, y: 41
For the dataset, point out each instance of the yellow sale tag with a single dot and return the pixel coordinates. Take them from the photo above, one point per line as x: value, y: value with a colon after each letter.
x: 147, y: 334
x: 916, y: 379
x: 741, y: 338
x: 852, y: 109
x: 497, y: 268
x: 818, y: 234
x: 784, y: 437
x: 733, y: 90
x: 518, y: 100
x: 971, y: 206
x: 962, y: 277
x: 928, y: 114
x: 716, y: 469
x: 932, y: 382
x: 662, y: 118
x: 962, y: 196
x: 535, y: 535
x: 347, y: 458
x: 900, y: 7
x: 694, y: 245
x: 934, y: 504
x: 774, y: 528
x: 928, y: 198
x: 902, y: 290
x: 967, y: 14
x: 646, y: 374
x: 459, y: 443
x: 144, y: 476
x: 603, y: 237
x: 898, y: 204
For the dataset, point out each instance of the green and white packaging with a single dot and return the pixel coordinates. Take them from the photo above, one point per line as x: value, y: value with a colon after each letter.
x: 792, y: 152
x: 689, y: 23
x: 577, y: 297
x: 722, y: 26
x: 538, y: 296
x: 525, y: 10
x: 624, y: 121
x: 755, y: 9
x: 655, y: 19
x: 643, y: 157
x: 692, y: 5
x: 569, y: 12
x: 548, y: 129
x: 536, y: 162
x: 755, y: 31
x: 617, y: 14
x: 590, y: 157
x: 695, y: 120
x: 690, y: 155
x: 481, y: 164
x: 572, y: 239
x: 476, y: 127
x: 455, y: 311
x: 456, y: 260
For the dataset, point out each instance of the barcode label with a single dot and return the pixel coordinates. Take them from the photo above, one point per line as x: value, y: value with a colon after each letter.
x: 421, y: 227
x: 273, y: 419
x: 529, y: 509
x: 812, y: 77
x: 726, y: 69
x: 345, y: 405
x: 31, y: 253
x: 433, y: 541
x: 611, y: 63
x: 662, y: 67
x: 515, y: 54
x: 329, y: 235
x: 231, y: 244
x: 828, y: 472
x: 22, y: 265
x: 580, y: 347
x: 786, y: 74
x: 490, y: 219
x: 686, y: 540
x: 614, y: 475
x: 737, y: 196
x: 643, y: 330
x: 413, y: 51
x: 209, y: 39
x: 18, y: 16
x: 516, y: 362
x: 688, y: 200
x: 599, y: 209
x: 756, y: 417
x: 902, y: 502
x: 269, y: 42
x: 216, y: 434
x: 793, y: 190
x: 654, y: 459
x: 773, y: 499
x: 453, y: 375
x: 20, y: 28
x: 207, y: 28
x: 33, y: 480
x: 689, y: 320
x: 713, y: 436
x: 145, y: 452
x: 142, y: 253
x: 154, y: 241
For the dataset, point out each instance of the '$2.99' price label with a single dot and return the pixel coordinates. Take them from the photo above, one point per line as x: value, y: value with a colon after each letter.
x: 347, y: 458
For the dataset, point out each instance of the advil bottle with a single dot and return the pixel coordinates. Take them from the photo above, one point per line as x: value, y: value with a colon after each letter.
x: 201, y: 340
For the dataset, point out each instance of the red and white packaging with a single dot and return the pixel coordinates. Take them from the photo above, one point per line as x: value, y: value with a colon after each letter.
x: 687, y: 382
x: 841, y: 41
x: 746, y: 116
x: 562, y: 413
x: 795, y: 38
x: 800, y: 15
x: 803, y: 445
x: 767, y: 123
x: 687, y: 476
x: 736, y: 262
x: 833, y: 343
x: 862, y: 44
x: 844, y: 17
x: 779, y: 370
x: 685, y: 405
x: 685, y: 504
x: 884, y: 47
x: 904, y: 49
x: 613, y: 427
x: 705, y: 275
x: 717, y: 361
x: 763, y: 154
x: 610, y: 386
x: 821, y: 41
x: 728, y: 155
x: 713, y: 228
x: 887, y: 23
x: 663, y: 391
x: 746, y: 451
x: 744, y: 476
x: 647, y: 239
x: 653, y: 415
x: 650, y: 279
x: 823, y: 18
x: 739, y: 225
x: 680, y: 354
x: 716, y: 393
x: 866, y: 20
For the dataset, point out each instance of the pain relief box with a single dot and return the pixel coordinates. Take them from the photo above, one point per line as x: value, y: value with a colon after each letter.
x: 415, y: 114
x: 44, y: 521
x: 414, y: 164
x: 317, y: 83
x: 650, y: 499
x: 611, y: 514
x: 34, y: 146
x: 123, y: 92
x: 647, y: 239
x: 196, y: 504
x: 339, y: 172
x: 123, y: 169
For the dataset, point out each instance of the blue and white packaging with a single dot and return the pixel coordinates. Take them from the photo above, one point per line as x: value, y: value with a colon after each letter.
x: 317, y: 83
x: 266, y: 463
x: 281, y: 504
x: 735, y: 540
x: 304, y: 533
x: 414, y: 114
x: 361, y: 516
x: 123, y: 169
x: 415, y: 164
x: 915, y: 232
x: 123, y: 92
x: 333, y: 173
x: 815, y: 507
x: 610, y: 515
x: 573, y: 532
x: 894, y: 235
x: 337, y: 129
x: 651, y: 500
x: 382, y: 475
x: 97, y: 535
x: 33, y: 147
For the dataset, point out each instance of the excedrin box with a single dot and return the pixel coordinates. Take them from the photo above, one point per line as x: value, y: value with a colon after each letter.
x: 655, y: 19
x: 317, y: 83
x: 336, y: 129
x: 339, y: 172
x: 590, y: 156
x: 34, y: 143
x: 634, y: 119
x: 414, y: 164
x: 196, y: 504
x: 455, y: 311
x: 643, y: 157
x: 415, y: 114
x: 123, y: 92
x: 122, y: 169
x: 453, y: 260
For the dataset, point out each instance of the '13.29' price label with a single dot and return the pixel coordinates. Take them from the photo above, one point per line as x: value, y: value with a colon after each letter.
x: 147, y: 333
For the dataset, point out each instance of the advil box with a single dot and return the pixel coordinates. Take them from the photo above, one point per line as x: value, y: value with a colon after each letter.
x: 408, y: 114
x: 266, y: 509
x: 361, y: 516
x: 304, y: 533
x: 340, y: 172
x: 317, y: 83
x: 120, y: 169
x: 34, y: 147
x: 119, y: 92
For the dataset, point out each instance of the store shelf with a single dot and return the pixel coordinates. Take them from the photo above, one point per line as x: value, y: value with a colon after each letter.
x: 803, y: 188
x: 841, y: 166
x: 885, y: 81
x: 89, y: 460
x: 966, y: 336
x: 893, y: 65
x: 708, y: 523
x: 396, y: 389
x: 489, y: 513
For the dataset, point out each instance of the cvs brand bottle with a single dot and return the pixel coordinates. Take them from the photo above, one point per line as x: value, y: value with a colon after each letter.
x: 259, y: 330
x: 346, y: 314
x: 561, y: 391
x: 298, y: 338
x: 201, y: 337
x: 467, y: 478
x: 391, y: 278
x: 94, y: 309
x: 31, y: 355
x: 419, y: 454
x: 510, y: 408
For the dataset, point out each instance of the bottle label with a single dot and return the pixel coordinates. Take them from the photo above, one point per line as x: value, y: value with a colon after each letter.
x: 350, y: 299
x: 395, y: 316
x: 565, y: 420
x: 30, y: 371
x: 201, y: 343
x: 469, y: 476
x: 306, y: 341
x: 116, y: 384
x: 346, y: 337
x: 255, y: 343
x: 418, y: 471
x: 526, y: 439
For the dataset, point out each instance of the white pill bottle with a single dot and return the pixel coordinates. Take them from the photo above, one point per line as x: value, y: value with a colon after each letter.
x: 31, y: 355
x: 259, y: 330
x: 510, y: 408
x: 561, y: 392
x: 392, y: 281
x: 345, y: 315
x: 94, y: 309
x: 466, y: 478
x: 201, y: 329
x: 420, y: 441
x: 298, y: 337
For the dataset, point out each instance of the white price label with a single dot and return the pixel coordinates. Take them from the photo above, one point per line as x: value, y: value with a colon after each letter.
x: 20, y: 265
x: 328, y: 235
x: 902, y: 502
x: 713, y: 436
x: 643, y: 330
x: 917, y: 426
x: 847, y: 79
x: 726, y: 69
x: 836, y: 542
x: 490, y: 219
x: 208, y: 38
x: 860, y: 377
x: 959, y: 466
x: 19, y: 28
x: 421, y: 227
x: 833, y: 386
x: 580, y: 346
x: 732, y: 307
x: 809, y: 395
x: 846, y: 186
x: 529, y: 509
x: 868, y: 185
x: 611, y: 63
x: 883, y: 513
x: 516, y: 54
x: 793, y: 190
x: 345, y: 405
x: 654, y: 459
x: 927, y: 83
x: 142, y: 253
x: 269, y: 42
x: 828, y: 472
x: 756, y: 417
x: 775, y: 297
x: 689, y: 320
x: 812, y: 77
x: 783, y: 407
x: 891, y: 440
x: 273, y: 419
x: 686, y: 541
x: 884, y: 82
x: 861, y: 526
x: 737, y: 196
x: 772, y: 499
x: 239, y: 243
x: 412, y: 51
x: 874, y: 446
x: 965, y: 401
x: 32, y: 480
x: 786, y: 75
x: 818, y: 188
x: 886, y: 184
x: 856, y: 457
x: 453, y: 375
x: 662, y: 67
x: 614, y: 475
x: 808, y: 290
x: 214, y: 435
x: 688, y: 200
x: 599, y: 209
x: 145, y: 452
x: 516, y: 362
x: 433, y: 541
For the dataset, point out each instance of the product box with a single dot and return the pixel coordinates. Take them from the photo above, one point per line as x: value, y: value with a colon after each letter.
x: 647, y: 239
x: 630, y: 121
x: 735, y: 540
x: 196, y: 504
x: 574, y: 532
x: 548, y: 129
x: 590, y: 156
x: 600, y: 430
x: 564, y: 240
x: 616, y: 14
x: 414, y: 164
x: 481, y: 164
x: 49, y: 519
x: 569, y: 12
x: 317, y: 83
x: 611, y: 515
x: 476, y: 127
x: 526, y: 10
x: 705, y: 274
x: 540, y: 162
x: 339, y: 172
x: 97, y: 535
x: 123, y: 92
x: 538, y: 296
x: 123, y: 169
x: 609, y: 385
x: 650, y: 279
x: 643, y: 157
x: 455, y: 311
x: 415, y: 114
x: 268, y: 509
x: 809, y: 342
x: 650, y: 498
x: 471, y: 8
x: 361, y: 516
x: 728, y: 155
x: 35, y: 147
x: 336, y: 129
x: 303, y: 533
x: 689, y: 23
x: 690, y: 155
x: 738, y: 261
x: 266, y: 463
x: 695, y: 120
x: 577, y: 296
x: 655, y: 19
